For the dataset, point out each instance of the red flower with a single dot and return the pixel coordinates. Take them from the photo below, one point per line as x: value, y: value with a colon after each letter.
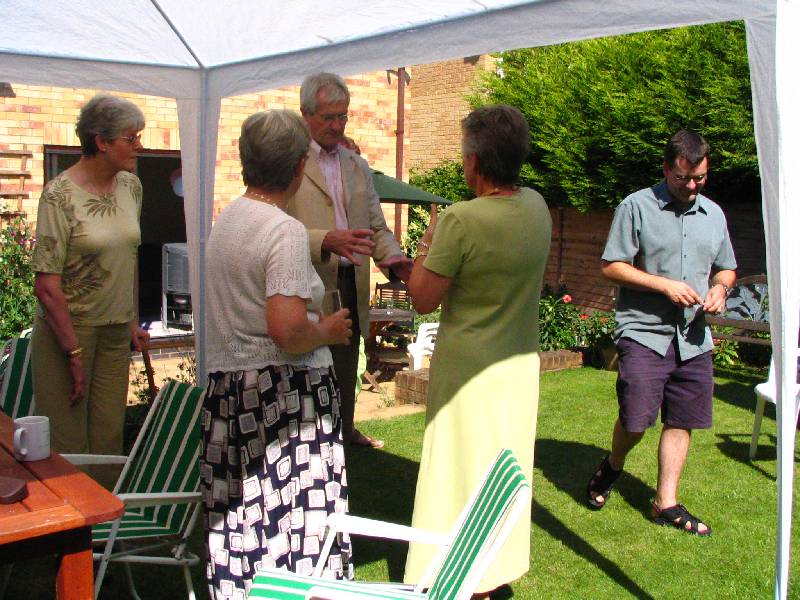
x: 566, y: 298
x: 604, y: 319
x: 584, y: 317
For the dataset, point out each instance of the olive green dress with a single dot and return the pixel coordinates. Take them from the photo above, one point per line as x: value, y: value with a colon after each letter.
x: 484, y: 375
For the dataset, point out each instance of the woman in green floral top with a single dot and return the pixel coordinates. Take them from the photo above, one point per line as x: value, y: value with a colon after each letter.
x: 85, y: 261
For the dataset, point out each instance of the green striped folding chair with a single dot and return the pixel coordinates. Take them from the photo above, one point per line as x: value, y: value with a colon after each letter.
x: 159, y: 485
x: 466, y: 552
x: 16, y: 389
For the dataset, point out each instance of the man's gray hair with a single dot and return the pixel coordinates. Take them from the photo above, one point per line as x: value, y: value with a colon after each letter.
x: 334, y: 86
x: 106, y: 116
x: 271, y: 145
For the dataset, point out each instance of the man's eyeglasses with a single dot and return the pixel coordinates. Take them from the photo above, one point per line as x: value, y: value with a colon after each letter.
x: 131, y: 139
x: 688, y: 178
x: 342, y: 117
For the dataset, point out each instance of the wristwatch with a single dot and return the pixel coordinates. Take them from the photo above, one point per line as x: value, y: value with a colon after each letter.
x: 726, y: 288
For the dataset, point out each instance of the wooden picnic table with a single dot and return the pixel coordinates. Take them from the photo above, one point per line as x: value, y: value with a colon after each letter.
x: 56, y: 517
x: 380, y: 319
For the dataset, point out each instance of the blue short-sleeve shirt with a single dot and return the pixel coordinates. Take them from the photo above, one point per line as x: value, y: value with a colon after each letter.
x: 656, y: 235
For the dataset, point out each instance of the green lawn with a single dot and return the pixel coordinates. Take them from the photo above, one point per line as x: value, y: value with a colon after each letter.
x: 616, y: 552
x: 576, y: 553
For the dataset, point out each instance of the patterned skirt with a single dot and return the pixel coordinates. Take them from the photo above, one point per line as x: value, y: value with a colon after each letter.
x: 272, y: 471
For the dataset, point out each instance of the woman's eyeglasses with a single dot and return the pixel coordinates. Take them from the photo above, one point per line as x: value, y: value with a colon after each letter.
x: 131, y: 139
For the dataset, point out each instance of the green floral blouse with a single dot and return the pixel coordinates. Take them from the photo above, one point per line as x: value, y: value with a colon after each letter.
x: 91, y: 242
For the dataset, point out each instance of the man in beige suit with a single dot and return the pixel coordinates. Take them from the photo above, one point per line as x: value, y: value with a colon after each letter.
x: 338, y: 205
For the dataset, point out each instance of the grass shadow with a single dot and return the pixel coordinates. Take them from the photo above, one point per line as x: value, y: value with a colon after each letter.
x: 738, y: 451
x: 736, y: 387
x: 556, y: 528
x: 737, y: 393
x: 382, y: 487
x: 569, y: 466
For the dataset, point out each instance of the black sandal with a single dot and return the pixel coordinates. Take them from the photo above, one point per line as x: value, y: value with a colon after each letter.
x: 679, y: 518
x: 601, y: 484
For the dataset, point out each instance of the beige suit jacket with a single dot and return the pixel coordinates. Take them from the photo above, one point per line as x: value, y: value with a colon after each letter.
x: 312, y: 205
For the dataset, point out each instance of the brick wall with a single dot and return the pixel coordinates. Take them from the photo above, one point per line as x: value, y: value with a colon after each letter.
x: 439, y: 91
x: 37, y: 116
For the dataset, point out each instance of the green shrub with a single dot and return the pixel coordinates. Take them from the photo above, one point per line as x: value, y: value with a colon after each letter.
x: 445, y: 180
x: 564, y: 326
x: 17, y: 301
x: 726, y: 354
x: 601, y: 110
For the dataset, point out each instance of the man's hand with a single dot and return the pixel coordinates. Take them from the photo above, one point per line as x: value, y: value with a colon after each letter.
x: 139, y: 337
x: 400, y: 264
x: 681, y: 294
x: 349, y: 242
x: 715, y: 299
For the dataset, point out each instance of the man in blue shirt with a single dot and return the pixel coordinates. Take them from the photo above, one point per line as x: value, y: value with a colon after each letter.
x: 670, y: 253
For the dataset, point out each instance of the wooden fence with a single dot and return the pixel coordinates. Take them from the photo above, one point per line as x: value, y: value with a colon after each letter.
x: 578, y: 241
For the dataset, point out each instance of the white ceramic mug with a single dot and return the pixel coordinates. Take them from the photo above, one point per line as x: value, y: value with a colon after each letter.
x: 31, y: 438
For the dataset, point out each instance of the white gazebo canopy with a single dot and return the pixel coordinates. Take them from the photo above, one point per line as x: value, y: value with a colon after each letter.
x: 200, y: 51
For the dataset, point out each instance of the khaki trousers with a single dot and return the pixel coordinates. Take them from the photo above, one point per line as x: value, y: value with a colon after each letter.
x: 95, y: 424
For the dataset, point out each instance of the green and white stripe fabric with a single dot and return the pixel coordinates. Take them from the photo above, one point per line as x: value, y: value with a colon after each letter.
x: 16, y: 391
x: 503, y: 483
x: 284, y: 585
x: 474, y: 537
x: 165, y: 459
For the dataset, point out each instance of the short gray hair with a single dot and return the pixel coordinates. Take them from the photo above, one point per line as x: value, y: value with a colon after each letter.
x: 106, y: 116
x: 499, y: 136
x: 271, y: 145
x: 334, y: 86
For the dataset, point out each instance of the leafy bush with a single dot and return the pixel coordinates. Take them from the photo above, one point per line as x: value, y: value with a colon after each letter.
x: 17, y: 301
x: 601, y: 110
x: 418, y: 219
x: 726, y: 353
x: 445, y: 180
x: 562, y: 325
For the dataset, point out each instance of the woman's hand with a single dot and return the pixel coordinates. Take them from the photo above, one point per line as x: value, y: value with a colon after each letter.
x: 78, y: 380
x: 427, y: 237
x: 337, y: 327
x: 139, y: 337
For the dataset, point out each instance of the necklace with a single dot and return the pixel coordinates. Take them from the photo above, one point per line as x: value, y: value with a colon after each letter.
x: 502, y: 192
x: 265, y: 198
x: 101, y: 191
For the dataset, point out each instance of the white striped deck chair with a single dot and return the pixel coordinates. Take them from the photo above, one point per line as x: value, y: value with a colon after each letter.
x: 159, y: 485
x: 466, y: 552
x: 16, y: 389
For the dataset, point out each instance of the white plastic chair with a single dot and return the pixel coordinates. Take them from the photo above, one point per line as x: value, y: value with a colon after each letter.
x: 766, y: 392
x: 466, y: 552
x: 423, y: 345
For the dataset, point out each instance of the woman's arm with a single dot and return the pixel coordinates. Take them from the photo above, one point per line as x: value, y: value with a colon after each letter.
x: 47, y: 287
x: 139, y: 336
x: 426, y: 288
x: 289, y: 327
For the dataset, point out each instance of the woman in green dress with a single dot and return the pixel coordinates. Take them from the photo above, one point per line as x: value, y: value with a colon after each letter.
x: 483, y: 262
